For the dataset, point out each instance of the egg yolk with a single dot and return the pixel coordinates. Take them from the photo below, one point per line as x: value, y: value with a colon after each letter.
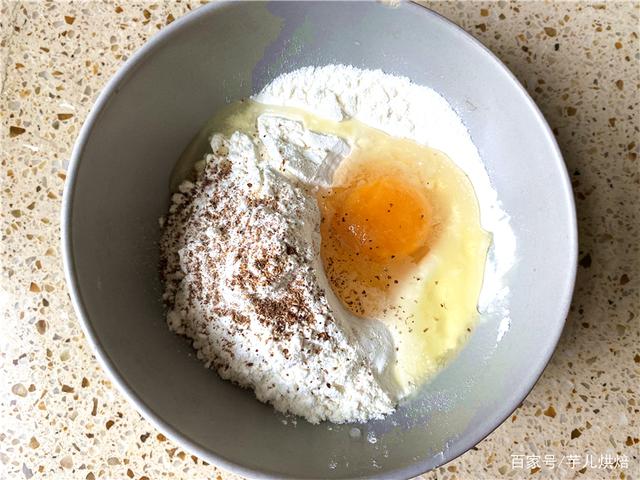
x: 382, y: 219
x: 375, y: 229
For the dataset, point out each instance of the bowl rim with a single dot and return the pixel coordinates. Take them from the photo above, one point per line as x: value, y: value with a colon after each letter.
x: 459, y: 446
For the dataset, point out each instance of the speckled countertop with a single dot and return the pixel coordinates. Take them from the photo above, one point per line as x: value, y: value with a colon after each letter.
x: 61, y: 418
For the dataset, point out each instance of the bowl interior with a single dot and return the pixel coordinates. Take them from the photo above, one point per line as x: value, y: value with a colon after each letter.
x: 118, y: 188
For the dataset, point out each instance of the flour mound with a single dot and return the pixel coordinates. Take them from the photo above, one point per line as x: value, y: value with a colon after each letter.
x: 240, y: 251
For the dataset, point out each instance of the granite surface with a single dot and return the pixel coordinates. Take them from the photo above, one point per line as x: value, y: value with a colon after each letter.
x: 61, y: 418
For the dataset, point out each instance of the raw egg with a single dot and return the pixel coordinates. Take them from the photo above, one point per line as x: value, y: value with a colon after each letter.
x: 402, y: 243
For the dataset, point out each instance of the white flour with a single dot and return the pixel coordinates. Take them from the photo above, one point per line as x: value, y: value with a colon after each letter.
x: 241, y: 247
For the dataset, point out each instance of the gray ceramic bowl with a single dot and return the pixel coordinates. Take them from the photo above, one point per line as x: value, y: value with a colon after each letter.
x: 118, y: 187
